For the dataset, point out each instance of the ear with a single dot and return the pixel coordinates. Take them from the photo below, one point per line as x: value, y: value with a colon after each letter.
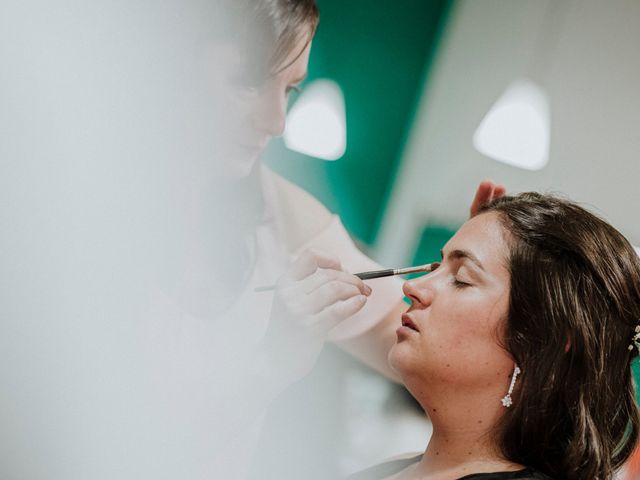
x: 567, y: 345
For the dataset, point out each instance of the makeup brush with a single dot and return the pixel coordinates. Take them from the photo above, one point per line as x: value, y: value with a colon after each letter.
x: 389, y: 272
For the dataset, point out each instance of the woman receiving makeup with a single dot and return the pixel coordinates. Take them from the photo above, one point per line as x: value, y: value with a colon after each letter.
x: 519, y: 348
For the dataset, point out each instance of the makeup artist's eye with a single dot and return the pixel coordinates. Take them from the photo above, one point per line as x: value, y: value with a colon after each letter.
x: 295, y: 89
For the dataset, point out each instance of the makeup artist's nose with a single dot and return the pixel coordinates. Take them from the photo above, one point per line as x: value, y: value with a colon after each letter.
x: 418, y: 290
x: 271, y: 114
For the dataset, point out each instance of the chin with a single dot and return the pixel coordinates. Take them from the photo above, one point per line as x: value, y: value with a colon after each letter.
x: 398, y: 359
x: 241, y: 167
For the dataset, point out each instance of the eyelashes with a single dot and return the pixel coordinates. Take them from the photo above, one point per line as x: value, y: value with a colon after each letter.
x: 251, y: 90
x: 293, y: 89
x: 458, y: 284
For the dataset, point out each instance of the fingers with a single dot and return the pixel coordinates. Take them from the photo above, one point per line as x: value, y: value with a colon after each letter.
x: 330, y: 293
x: 322, y: 276
x: 335, y: 313
x: 318, y: 294
x: 483, y: 192
x: 309, y: 262
x: 316, y: 270
x: 304, y: 298
x: 487, y: 191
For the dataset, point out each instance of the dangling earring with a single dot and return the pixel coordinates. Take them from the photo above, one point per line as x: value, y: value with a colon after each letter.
x: 506, y: 400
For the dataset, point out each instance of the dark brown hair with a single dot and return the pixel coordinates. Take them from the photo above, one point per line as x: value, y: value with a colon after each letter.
x: 574, y: 305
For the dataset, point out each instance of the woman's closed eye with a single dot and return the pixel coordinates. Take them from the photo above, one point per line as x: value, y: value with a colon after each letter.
x: 459, y: 283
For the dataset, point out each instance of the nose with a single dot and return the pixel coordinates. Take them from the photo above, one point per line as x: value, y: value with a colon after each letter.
x: 418, y: 290
x: 271, y: 113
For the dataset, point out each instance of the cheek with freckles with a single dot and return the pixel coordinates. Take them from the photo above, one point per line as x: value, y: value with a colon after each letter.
x: 458, y: 344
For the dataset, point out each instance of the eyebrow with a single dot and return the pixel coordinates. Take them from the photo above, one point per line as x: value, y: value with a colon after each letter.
x: 463, y: 254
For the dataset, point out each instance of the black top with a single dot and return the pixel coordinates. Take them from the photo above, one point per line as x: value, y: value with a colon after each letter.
x: 384, y: 470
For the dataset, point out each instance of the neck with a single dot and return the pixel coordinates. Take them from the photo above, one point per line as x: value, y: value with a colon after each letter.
x: 463, y: 439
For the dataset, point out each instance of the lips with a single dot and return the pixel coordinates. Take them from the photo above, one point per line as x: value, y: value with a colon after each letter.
x: 407, y: 322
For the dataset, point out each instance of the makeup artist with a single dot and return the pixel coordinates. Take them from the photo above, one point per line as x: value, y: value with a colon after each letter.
x: 259, y: 59
x: 275, y: 232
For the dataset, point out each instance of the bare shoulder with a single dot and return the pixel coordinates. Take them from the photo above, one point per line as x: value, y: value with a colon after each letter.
x: 300, y: 215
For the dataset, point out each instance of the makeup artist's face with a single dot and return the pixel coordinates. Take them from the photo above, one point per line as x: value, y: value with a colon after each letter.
x: 251, y: 116
x: 457, y: 312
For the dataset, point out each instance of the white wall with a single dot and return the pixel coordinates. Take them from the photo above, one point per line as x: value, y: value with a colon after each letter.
x: 591, y: 70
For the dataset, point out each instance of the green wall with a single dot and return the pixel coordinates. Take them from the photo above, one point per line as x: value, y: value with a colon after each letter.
x: 432, y: 240
x: 379, y: 53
